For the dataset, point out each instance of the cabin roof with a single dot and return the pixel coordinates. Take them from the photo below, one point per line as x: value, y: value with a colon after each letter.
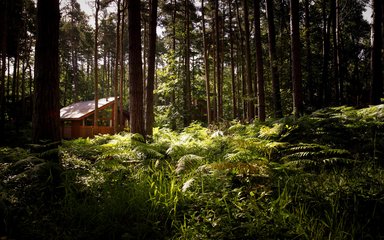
x: 80, y: 110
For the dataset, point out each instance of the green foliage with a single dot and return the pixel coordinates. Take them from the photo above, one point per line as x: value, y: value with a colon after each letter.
x: 282, y: 180
x: 316, y: 156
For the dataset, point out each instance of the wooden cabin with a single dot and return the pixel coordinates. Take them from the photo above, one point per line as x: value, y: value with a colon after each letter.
x: 77, y: 119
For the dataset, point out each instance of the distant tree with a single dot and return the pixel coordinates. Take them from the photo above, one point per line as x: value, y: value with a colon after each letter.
x: 241, y: 53
x: 206, y: 67
x: 149, y: 118
x: 325, y: 95
x: 308, y: 54
x: 232, y: 57
x: 187, y: 81
x: 46, y: 112
x: 116, y: 75
x: 95, y: 63
x: 376, y: 54
x: 248, y: 62
x: 259, y: 64
x: 296, y: 60
x: 218, y: 63
x: 74, y: 13
x: 276, y: 96
x: 3, y: 50
x: 136, y: 104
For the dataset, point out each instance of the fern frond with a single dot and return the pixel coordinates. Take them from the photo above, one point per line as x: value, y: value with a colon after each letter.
x: 187, y: 184
x: 188, y: 162
x: 305, y: 147
x: 149, y: 152
x: 302, y: 163
x: 240, y: 156
x: 336, y: 160
x: 300, y: 155
x: 238, y: 129
x: 335, y: 152
x: 137, y: 137
x: 270, y: 132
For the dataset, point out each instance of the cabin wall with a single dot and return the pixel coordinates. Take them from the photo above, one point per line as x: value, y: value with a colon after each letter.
x: 82, y: 128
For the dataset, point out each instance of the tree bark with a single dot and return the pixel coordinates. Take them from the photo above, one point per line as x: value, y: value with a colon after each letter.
x: 241, y: 61
x: 187, y: 81
x: 122, y: 68
x: 296, y: 60
x: 376, y: 56
x: 74, y: 49
x: 136, y: 105
x: 151, y: 67
x: 259, y: 64
x: 276, y: 96
x: 173, y: 94
x: 96, y: 67
x: 308, y: 65
x: 218, y: 64
x: 337, y: 56
x: 46, y: 111
x: 325, y: 94
x: 206, y: 63
x: 116, y: 124
x: 233, y: 76
x: 248, y: 63
x: 3, y: 42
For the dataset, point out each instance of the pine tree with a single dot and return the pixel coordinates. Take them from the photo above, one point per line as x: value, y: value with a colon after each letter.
x: 46, y: 112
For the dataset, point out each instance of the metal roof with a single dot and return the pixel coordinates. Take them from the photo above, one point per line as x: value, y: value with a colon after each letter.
x: 81, y: 109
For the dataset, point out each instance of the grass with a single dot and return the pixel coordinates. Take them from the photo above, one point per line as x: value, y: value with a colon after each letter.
x: 318, y: 177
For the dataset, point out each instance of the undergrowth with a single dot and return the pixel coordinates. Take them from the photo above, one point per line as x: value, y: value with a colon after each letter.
x: 318, y: 177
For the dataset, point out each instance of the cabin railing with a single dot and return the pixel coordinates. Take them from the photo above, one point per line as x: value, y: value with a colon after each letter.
x: 90, y: 131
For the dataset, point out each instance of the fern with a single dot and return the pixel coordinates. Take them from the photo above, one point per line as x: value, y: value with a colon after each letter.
x: 148, y: 152
x: 240, y: 156
x: 271, y: 132
x: 315, y: 155
x: 188, y: 162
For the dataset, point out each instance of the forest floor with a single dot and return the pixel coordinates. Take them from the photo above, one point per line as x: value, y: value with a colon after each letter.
x: 317, y: 177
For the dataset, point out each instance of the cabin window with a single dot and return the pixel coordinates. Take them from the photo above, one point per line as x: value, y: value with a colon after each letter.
x: 89, y: 121
x: 104, y: 118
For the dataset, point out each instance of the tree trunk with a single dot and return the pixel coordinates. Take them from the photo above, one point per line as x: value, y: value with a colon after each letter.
x: 376, y: 56
x: 206, y: 63
x: 277, y: 109
x: 338, y: 69
x: 173, y: 94
x: 122, y: 69
x: 248, y: 63
x: 218, y: 64
x: 241, y: 61
x: 187, y: 82
x: 325, y: 95
x: 96, y: 67
x: 15, y: 78
x: 46, y: 111
x: 215, y: 110
x: 308, y: 65
x: 259, y: 64
x: 233, y: 76
x: 296, y: 60
x: 74, y: 49
x: 151, y: 67
x: 335, y: 80
x: 116, y: 126
x: 3, y: 50
x: 136, y: 105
